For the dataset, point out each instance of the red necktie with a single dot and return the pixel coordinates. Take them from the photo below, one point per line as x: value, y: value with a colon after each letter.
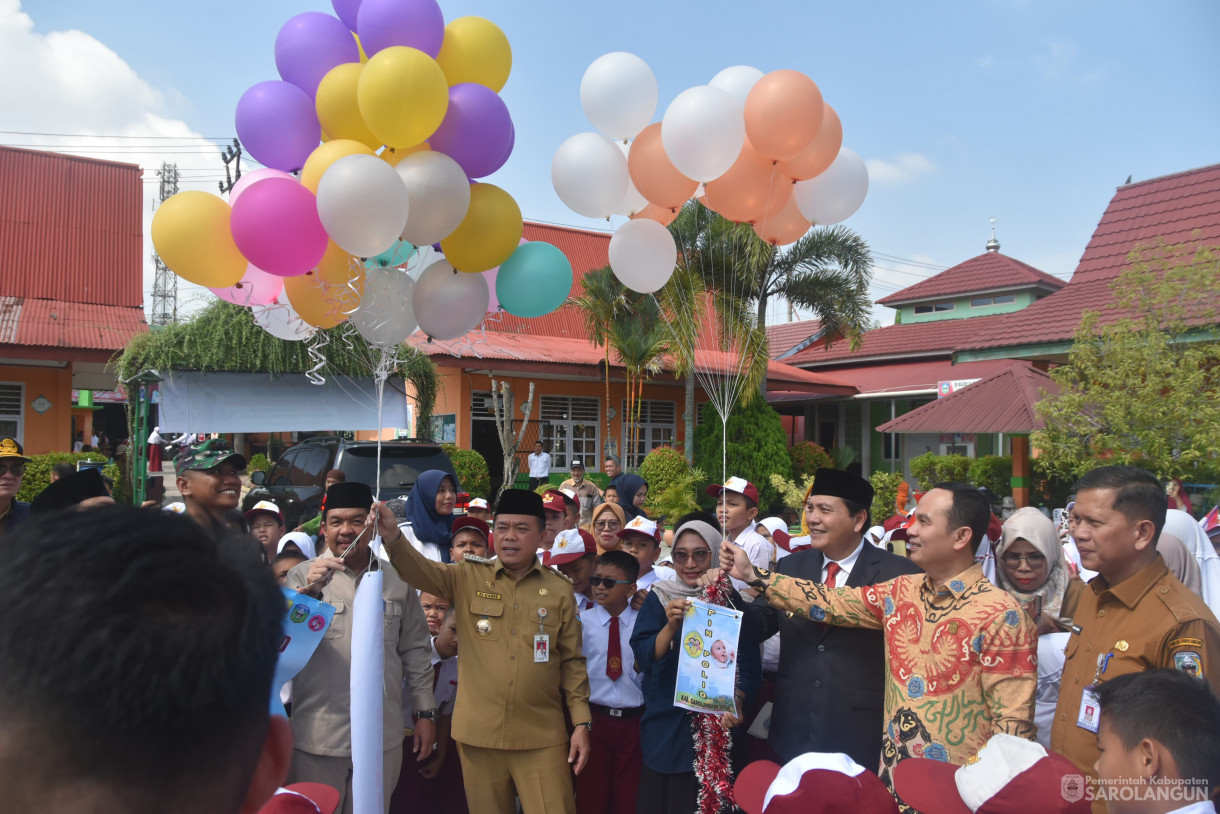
x: 614, y: 652
x: 832, y: 571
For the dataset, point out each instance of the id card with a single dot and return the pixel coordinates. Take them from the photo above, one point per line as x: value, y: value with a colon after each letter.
x: 542, y: 648
x: 1090, y: 710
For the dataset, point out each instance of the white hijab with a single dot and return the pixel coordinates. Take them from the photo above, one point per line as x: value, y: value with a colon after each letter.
x: 302, y: 541
x: 1181, y: 525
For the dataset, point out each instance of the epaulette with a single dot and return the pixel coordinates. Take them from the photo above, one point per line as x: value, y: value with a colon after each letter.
x: 475, y: 558
x: 561, y: 575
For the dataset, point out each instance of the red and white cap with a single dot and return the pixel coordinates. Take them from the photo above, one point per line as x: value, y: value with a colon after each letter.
x: 302, y: 798
x: 1010, y: 775
x: 268, y: 507
x: 813, y: 783
x: 569, y: 545
x: 478, y: 503
x: 552, y: 501
x: 641, y: 525
x: 739, y: 485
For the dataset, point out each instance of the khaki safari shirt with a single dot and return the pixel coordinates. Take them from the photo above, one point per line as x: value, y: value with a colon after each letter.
x: 587, y: 495
x: 321, y: 692
x: 960, y: 658
x: 505, y: 699
x: 1148, y: 621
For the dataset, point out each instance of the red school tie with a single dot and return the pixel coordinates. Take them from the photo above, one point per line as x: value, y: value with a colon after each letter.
x: 614, y: 652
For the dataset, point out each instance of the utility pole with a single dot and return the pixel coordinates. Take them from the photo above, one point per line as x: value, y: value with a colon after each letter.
x: 165, y: 282
x: 231, y: 155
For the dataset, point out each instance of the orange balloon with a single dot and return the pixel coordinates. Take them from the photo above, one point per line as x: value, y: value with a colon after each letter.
x: 660, y: 214
x: 821, y: 152
x: 750, y: 190
x: 653, y: 174
x: 783, y: 113
x: 327, y: 295
x: 786, y: 227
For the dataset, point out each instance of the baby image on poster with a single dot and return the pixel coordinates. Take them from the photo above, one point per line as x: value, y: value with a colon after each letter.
x: 707, y: 664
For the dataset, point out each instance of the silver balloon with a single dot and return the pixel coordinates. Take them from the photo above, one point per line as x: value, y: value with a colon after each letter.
x: 386, y: 315
x: 449, y: 303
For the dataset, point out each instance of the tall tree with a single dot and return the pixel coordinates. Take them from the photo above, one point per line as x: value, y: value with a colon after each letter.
x: 602, y: 300
x: 1142, y: 381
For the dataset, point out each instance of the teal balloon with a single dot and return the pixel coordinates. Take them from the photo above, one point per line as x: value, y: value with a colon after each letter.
x: 392, y: 257
x: 534, y: 281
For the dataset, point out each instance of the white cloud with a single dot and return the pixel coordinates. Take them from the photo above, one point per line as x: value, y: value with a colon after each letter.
x: 903, y: 169
x: 76, y: 95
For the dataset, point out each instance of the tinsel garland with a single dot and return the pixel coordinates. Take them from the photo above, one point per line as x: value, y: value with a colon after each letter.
x: 713, y: 741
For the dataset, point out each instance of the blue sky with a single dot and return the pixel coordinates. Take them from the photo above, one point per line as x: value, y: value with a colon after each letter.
x: 1027, y: 111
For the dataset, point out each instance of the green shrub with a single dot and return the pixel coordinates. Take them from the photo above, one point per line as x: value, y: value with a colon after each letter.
x: 38, y: 471
x: 930, y: 469
x: 258, y: 463
x: 807, y: 459
x: 791, y: 493
x: 756, y: 448
x: 1049, y: 488
x: 471, y: 469
x: 661, y: 469
x: 885, y: 495
x: 994, y: 472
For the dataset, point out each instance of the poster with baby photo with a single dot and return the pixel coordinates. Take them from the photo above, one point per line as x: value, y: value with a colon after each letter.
x: 707, y: 659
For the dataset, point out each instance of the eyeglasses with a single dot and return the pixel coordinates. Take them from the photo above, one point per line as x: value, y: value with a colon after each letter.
x: 222, y: 471
x: 608, y: 525
x: 697, y: 556
x: 607, y: 583
x: 17, y: 469
x: 1034, y: 560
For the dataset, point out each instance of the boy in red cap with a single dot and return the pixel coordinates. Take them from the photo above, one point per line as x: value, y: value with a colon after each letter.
x: 736, y: 508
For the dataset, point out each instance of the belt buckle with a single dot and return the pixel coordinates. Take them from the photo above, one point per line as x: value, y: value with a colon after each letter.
x: 616, y: 713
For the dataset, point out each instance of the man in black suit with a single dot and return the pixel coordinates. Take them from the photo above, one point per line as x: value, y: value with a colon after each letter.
x: 829, y: 690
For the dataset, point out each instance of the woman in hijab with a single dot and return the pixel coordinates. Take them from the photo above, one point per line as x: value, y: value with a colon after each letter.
x: 667, y: 782
x: 1181, y: 526
x: 1178, y: 499
x: 1032, y: 567
x: 607, y: 521
x: 429, y: 523
x: 632, y: 492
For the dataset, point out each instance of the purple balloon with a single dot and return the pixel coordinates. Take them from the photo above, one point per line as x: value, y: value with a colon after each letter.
x: 477, y: 131
x: 278, y: 126
x: 414, y: 23
x: 346, y: 10
x: 309, y: 45
x: 276, y: 226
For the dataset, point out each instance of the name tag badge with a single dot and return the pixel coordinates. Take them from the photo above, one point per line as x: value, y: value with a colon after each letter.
x: 1090, y: 710
x: 542, y: 648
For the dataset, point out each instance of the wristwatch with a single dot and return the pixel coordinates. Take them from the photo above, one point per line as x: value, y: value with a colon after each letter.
x: 426, y: 714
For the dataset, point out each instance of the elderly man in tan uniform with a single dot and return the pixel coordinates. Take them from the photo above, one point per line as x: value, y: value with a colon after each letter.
x: 521, y: 663
x: 1134, y: 616
x: 321, y: 692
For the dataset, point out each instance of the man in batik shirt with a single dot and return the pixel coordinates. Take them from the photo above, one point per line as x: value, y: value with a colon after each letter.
x: 960, y: 653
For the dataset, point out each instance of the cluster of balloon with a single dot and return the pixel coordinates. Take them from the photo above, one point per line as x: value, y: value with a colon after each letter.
x: 765, y: 149
x: 373, y: 142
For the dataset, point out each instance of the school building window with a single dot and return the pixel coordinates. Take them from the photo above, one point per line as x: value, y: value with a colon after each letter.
x: 658, y: 423
x: 570, y: 429
x: 934, y: 308
x: 11, y: 397
x: 998, y: 299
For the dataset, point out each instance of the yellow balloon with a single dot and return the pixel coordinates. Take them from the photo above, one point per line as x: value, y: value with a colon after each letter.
x: 488, y: 234
x: 326, y: 154
x: 391, y: 156
x: 475, y: 50
x: 190, y: 233
x: 337, y: 108
x: 327, y: 295
x: 363, y: 56
x: 403, y: 96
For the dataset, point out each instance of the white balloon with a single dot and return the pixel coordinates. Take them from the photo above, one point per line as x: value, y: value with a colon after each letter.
x: 643, y: 255
x: 440, y: 195
x: 281, y: 321
x: 737, y: 82
x: 632, y: 201
x: 363, y: 204
x: 702, y: 132
x: 449, y: 303
x: 590, y: 175
x: 619, y: 94
x: 386, y: 315
x: 836, y: 194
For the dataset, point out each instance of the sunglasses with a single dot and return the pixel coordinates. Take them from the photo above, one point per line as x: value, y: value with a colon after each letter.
x: 607, y: 583
x: 16, y: 469
x: 697, y: 556
x: 608, y: 525
x: 1014, y: 560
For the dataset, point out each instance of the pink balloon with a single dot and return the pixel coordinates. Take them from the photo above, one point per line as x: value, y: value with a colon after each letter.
x: 276, y: 226
x: 256, y: 287
x: 493, y: 302
x: 253, y: 177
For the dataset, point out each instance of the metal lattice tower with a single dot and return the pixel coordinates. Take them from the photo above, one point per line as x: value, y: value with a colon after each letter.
x: 165, y: 283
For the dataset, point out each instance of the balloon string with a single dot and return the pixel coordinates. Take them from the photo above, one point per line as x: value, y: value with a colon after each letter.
x: 314, y: 345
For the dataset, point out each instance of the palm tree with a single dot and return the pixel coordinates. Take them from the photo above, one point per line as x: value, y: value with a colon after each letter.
x: 683, y: 302
x: 600, y: 304
x: 640, y: 338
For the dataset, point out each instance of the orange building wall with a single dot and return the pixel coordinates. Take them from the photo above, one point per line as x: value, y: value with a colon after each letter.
x: 51, y: 431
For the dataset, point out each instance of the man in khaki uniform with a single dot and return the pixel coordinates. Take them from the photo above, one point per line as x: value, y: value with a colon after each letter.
x: 585, y: 491
x: 321, y: 692
x: 1134, y: 616
x: 521, y: 663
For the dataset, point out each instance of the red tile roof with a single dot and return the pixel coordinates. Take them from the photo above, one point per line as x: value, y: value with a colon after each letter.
x: 68, y: 325
x: 1181, y: 209
x: 917, y: 339
x: 990, y: 271
x: 786, y: 336
x: 1003, y: 402
x: 906, y: 377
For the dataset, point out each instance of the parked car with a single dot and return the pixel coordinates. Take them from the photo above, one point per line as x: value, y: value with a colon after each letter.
x: 296, y: 482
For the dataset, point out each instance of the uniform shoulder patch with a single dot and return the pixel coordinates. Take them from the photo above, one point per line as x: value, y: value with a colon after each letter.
x: 1188, y: 662
x: 475, y: 558
x: 1197, y: 644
